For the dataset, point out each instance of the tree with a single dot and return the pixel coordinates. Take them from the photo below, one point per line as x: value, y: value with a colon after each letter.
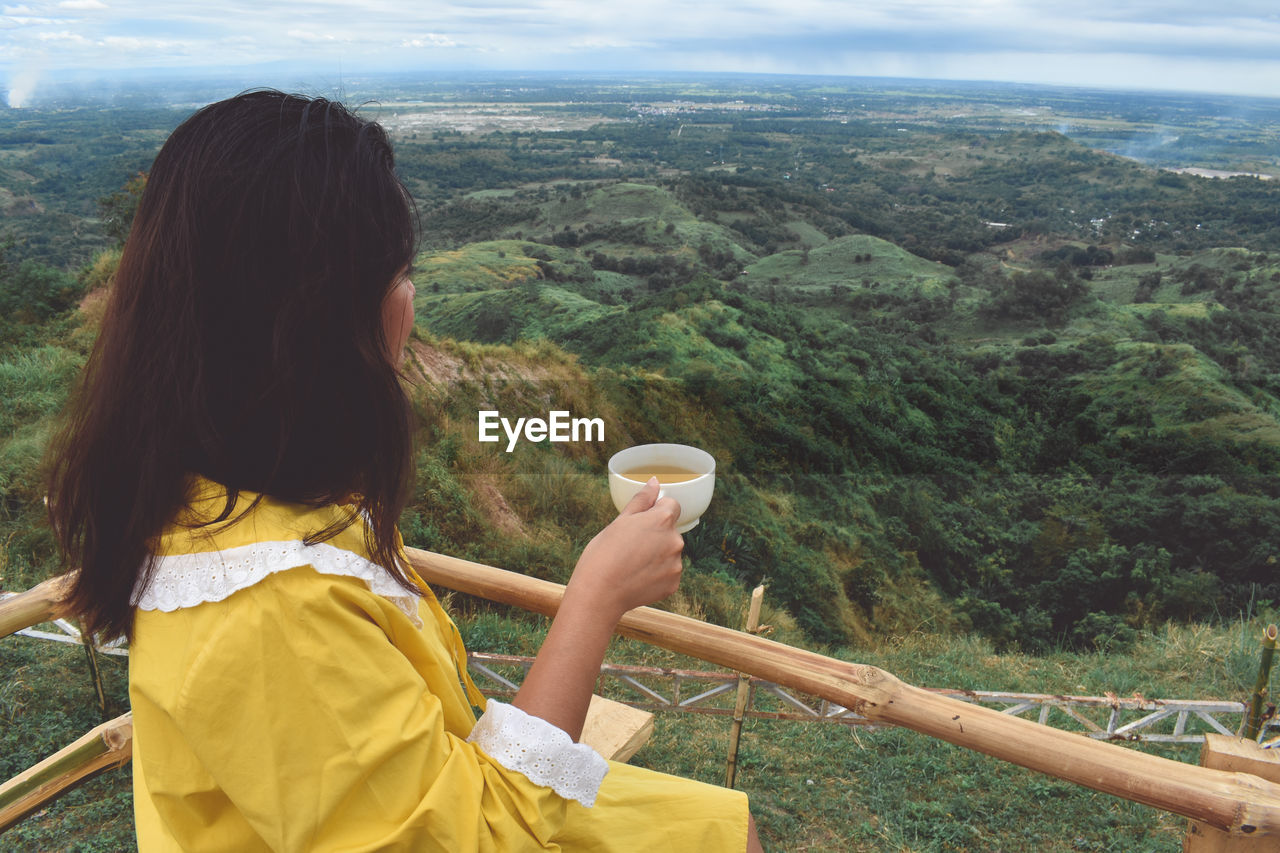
x: 119, y: 207
x: 34, y: 292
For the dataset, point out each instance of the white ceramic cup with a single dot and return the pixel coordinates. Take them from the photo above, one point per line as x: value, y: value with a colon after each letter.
x: 693, y: 495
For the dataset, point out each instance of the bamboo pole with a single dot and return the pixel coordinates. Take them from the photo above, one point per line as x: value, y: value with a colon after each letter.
x: 102, y: 748
x: 1253, y: 719
x: 744, y: 692
x: 1238, y: 803
x: 95, y: 675
x: 41, y: 603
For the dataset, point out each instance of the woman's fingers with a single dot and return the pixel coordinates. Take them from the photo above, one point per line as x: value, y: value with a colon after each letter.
x: 668, y: 511
x: 643, y: 499
x: 647, y: 499
x: 636, y: 560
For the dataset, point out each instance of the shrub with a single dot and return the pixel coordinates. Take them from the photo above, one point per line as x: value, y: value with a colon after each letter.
x: 1104, y: 632
x: 34, y: 292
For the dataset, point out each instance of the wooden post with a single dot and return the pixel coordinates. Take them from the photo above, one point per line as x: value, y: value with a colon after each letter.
x: 1221, y: 752
x: 1253, y: 718
x: 95, y: 675
x: 1238, y: 803
x: 744, y: 692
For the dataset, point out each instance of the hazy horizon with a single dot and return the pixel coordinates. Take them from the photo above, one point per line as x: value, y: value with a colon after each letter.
x: 1172, y: 46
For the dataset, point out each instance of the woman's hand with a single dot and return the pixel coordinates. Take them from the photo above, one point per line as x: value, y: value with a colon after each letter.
x: 636, y: 559
x: 633, y: 561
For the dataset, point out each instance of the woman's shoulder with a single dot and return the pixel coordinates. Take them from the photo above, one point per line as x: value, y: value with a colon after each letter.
x: 211, y: 552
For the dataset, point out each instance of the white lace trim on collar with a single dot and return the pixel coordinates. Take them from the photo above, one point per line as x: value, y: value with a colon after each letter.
x: 186, y: 580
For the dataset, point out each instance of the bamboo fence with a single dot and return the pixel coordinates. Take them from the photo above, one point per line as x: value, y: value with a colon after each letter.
x: 102, y: 748
x: 1240, y: 804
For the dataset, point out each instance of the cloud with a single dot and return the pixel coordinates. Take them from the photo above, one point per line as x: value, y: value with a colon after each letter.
x: 311, y: 37
x: 136, y: 44
x: 63, y: 36
x: 31, y: 21
x: 429, y: 40
x: 605, y: 43
x: 1138, y: 40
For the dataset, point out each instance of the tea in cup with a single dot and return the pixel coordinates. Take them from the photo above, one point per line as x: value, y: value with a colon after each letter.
x: 684, y: 473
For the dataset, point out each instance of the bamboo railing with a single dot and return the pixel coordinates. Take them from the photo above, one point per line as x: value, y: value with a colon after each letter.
x: 41, y: 603
x: 105, y: 747
x: 102, y: 748
x: 1237, y: 803
x: 1240, y: 804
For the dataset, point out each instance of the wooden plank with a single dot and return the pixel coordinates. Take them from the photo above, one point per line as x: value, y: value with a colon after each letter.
x: 1224, y: 752
x: 615, y: 730
x: 1240, y: 804
x: 1242, y: 756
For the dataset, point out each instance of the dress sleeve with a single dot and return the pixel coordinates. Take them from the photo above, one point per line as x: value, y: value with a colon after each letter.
x: 541, y: 752
x: 325, y: 735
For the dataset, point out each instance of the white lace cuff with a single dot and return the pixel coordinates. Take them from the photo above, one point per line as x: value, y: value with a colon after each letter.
x: 185, y: 580
x: 542, y: 752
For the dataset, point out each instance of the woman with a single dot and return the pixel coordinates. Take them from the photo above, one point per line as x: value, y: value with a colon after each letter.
x: 228, y: 480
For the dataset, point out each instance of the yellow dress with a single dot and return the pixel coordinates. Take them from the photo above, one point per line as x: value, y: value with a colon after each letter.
x: 290, y: 697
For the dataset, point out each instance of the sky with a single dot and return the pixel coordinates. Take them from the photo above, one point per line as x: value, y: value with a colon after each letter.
x: 1227, y: 46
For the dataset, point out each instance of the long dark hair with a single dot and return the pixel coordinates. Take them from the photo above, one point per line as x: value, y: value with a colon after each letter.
x: 243, y: 341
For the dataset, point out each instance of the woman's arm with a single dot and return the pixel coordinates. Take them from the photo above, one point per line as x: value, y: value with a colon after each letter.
x: 634, y: 561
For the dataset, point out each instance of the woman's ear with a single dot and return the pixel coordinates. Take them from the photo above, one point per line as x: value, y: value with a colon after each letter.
x: 397, y: 318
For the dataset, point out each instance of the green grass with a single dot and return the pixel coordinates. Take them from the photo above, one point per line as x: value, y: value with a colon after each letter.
x: 499, y: 315
x: 663, y: 223
x: 835, y: 263
x: 1183, y: 389
x: 617, y: 204
x: 34, y: 383
x: 476, y: 266
x: 807, y: 234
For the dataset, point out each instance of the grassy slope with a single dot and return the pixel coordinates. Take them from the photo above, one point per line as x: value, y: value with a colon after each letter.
x: 1180, y: 386
x: 839, y: 262
x: 655, y: 214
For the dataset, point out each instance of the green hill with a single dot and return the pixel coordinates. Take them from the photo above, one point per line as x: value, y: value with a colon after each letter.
x: 853, y: 261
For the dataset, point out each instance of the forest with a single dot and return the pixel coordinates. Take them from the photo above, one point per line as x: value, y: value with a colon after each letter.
x: 1035, y: 377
